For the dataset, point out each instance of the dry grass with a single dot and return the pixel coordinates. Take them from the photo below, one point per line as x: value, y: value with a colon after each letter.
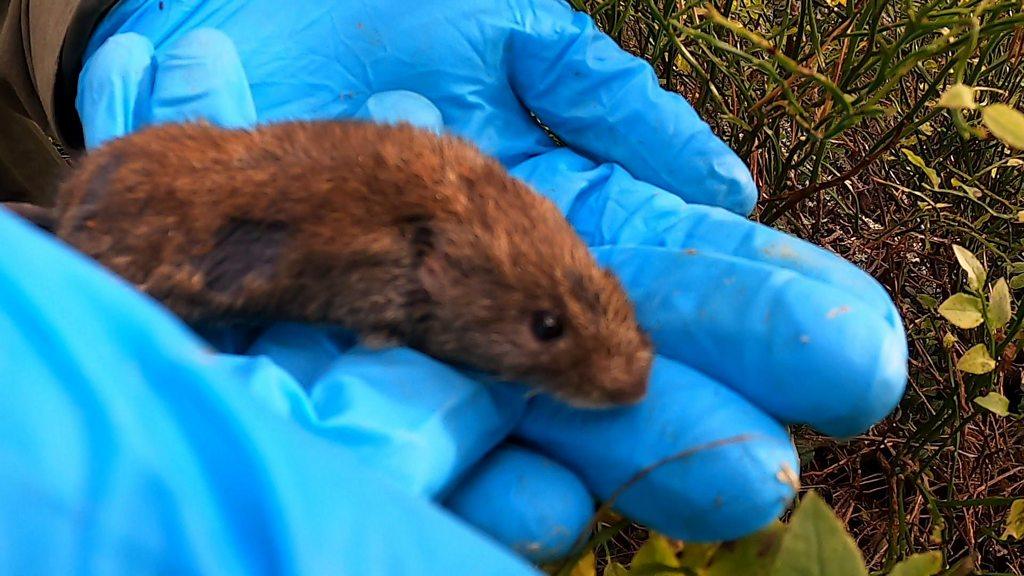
x: 939, y: 473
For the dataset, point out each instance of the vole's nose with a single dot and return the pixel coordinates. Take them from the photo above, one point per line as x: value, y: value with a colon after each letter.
x: 624, y: 377
x: 630, y: 394
x: 628, y: 391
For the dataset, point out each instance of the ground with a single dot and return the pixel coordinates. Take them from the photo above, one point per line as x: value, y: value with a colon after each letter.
x: 835, y: 109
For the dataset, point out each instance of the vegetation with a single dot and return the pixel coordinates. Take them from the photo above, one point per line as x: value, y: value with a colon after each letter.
x: 890, y: 132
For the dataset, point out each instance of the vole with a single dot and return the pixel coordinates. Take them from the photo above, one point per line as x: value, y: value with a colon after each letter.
x: 401, y: 235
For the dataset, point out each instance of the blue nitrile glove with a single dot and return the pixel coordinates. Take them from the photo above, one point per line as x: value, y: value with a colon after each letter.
x: 751, y: 324
x: 129, y: 447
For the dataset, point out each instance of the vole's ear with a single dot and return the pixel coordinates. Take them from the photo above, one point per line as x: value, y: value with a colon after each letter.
x: 428, y: 255
x: 244, y: 250
x: 434, y: 274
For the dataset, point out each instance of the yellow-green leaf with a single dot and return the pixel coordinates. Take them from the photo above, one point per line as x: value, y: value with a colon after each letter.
x: 916, y: 160
x: 1005, y: 123
x: 976, y: 361
x: 974, y: 191
x: 969, y: 262
x: 816, y: 544
x: 927, y: 301
x: 994, y: 402
x: 999, y: 306
x: 682, y: 65
x: 958, y: 96
x: 696, y: 556
x: 962, y: 310
x: 938, y: 527
x: 1015, y: 521
x: 655, y: 555
x: 936, y: 205
x: 1017, y: 282
x: 924, y: 564
x: 585, y: 566
x: 948, y: 340
x: 750, y: 556
x: 615, y: 569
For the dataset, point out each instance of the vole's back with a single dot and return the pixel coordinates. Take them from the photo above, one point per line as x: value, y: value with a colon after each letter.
x: 229, y: 224
x: 393, y: 232
x: 350, y: 174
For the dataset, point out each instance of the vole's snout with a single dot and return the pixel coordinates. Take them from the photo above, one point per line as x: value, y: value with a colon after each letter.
x: 623, y: 380
x: 630, y: 393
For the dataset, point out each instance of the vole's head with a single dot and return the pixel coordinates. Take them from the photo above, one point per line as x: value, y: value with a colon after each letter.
x: 523, y: 298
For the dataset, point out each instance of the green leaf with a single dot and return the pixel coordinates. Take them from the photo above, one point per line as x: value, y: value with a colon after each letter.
x: 657, y: 553
x: 972, y: 190
x: 585, y: 566
x: 1006, y: 123
x: 962, y: 310
x: 938, y: 525
x: 924, y: 564
x: 948, y: 340
x: 1017, y: 282
x: 916, y: 160
x: 1000, y: 308
x: 615, y: 569
x: 927, y: 301
x: 696, y: 556
x: 750, y: 556
x: 969, y: 262
x: 1015, y: 521
x: 958, y: 97
x: 976, y: 361
x: 994, y: 402
x: 732, y: 119
x: 1017, y: 268
x: 817, y: 544
x: 682, y: 65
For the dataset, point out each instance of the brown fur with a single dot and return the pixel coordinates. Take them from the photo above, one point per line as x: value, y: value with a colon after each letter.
x: 398, y: 234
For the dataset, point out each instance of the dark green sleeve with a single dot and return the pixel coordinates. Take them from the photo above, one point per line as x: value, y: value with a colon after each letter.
x: 41, y: 44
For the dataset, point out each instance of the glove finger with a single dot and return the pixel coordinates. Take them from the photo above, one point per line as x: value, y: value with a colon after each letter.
x: 526, y: 501
x: 228, y: 339
x: 135, y: 449
x: 607, y: 206
x: 114, y: 88
x: 608, y: 104
x: 397, y: 106
x: 302, y: 350
x: 800, y: 349
x: 422, y: 422
x: 200, y: 77
x: 727, y: 468
x: 708, y: 228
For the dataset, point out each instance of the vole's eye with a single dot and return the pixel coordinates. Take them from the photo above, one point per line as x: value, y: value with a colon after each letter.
x: 547, y: 325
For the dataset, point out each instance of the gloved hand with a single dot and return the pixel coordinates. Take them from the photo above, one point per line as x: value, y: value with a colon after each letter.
x: 130, y: 447
x: 754, y: 328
